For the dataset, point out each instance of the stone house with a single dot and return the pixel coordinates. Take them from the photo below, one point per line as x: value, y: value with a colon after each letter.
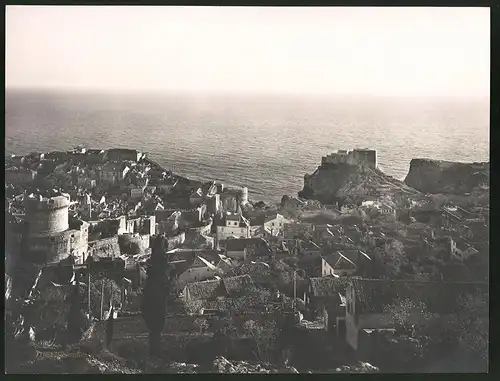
x: 234, y: 225
x: 203, y: 291
x: 366, y: 301
x: 111, y: 173
x: 275, y: 223
x: 294, y: 230
x: 337, y: 264
x: 199, y: 270
x: 245, y: 248
x: 322, y: 296
x: 460, y: 249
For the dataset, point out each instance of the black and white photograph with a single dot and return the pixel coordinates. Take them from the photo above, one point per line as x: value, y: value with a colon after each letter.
x: 238, y: 189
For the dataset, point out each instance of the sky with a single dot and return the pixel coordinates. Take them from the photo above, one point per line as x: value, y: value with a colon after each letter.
x: 315, y: 50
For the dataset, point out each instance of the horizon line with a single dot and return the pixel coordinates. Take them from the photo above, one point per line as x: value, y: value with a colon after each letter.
x: 261, y: 92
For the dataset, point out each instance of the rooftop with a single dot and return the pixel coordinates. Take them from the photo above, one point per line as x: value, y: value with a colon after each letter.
x: 338, y: 261
x: 238, y: 285
x: 204, y: 290
x: 242, y: 243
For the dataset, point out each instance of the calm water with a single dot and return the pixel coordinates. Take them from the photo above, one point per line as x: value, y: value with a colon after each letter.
x: 267, y: 143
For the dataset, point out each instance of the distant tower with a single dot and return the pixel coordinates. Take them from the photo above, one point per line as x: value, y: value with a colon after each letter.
x: 244, y: 196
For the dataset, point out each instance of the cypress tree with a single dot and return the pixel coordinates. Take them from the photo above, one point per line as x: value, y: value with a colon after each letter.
x: 155, y: 294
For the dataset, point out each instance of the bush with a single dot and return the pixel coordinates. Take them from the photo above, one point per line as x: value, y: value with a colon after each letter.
x: 264, y: 334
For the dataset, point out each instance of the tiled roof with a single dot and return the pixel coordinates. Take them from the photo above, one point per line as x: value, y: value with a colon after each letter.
x: 233, y: 217
x: 242, y: 243
x: 461, y: 244
x: 177, y: 255
x: 273, y: 216
x: 238, y: 285
x: 204, y: 290
x: 309, y: 245
x: 323, y: 286
x: 257, y: 271
x: 338, y: 261
x: 202, y: 262
x: 211, y: 256
x: 372, y: 295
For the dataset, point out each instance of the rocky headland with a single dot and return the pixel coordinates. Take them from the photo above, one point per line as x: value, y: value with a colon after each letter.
x: 447, y: 177
x: 332, y: 183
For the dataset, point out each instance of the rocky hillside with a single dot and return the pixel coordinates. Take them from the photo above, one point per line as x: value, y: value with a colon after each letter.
x: 336, y: 182
x: 446, y: 177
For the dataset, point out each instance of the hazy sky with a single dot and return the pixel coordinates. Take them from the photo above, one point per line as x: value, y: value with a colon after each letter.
x: 338, y: 50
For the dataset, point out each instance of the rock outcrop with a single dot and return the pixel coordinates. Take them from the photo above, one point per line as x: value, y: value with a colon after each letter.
x: 332, y: 183
x: 360, y: 367
x: 446, y: 177
x: 222, y: 365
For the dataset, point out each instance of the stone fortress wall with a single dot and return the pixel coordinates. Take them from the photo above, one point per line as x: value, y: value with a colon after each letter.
x: 367, y: 157
x: 46, y: 216
x: 50, y: 237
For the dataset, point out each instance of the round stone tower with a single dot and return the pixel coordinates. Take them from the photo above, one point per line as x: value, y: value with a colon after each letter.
x: 47, y: 216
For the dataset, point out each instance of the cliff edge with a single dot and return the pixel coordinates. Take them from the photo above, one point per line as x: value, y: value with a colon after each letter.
x: 446, y: 177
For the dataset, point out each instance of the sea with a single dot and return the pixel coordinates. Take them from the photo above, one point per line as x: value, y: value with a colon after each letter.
x: 266, y: 142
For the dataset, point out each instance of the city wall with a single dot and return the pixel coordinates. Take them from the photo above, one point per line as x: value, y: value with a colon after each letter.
x: 134, y: 243
x: 47, y: 216
x: 106, y: 247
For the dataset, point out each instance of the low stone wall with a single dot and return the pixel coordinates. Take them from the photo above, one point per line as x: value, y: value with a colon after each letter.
x: 106, y: 247
x: 134, y: 243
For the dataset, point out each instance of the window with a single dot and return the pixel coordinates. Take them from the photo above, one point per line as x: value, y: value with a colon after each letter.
x: 235, y: 223
x: 272, y: 224
x: 52, y: 239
